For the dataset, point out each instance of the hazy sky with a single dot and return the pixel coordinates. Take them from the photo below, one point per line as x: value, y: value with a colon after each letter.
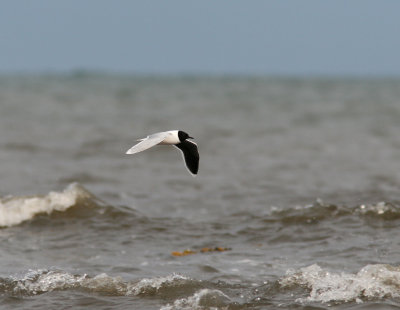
x: 299, y: 37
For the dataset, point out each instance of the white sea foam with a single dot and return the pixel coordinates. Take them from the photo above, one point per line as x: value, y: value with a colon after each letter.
x: 43, y: 281
x: 372, y: 281
x: 153, y: 285
x: 16, y: 210
x: 203, y: 299
x: 379, y: 208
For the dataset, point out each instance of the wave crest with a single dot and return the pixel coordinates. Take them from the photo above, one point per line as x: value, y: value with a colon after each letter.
x: 42, y: 281
x: 203, y: 299
x: 37, y: 282
x: 15, y: 210
x: 372, y: 281
x: 320, y: 211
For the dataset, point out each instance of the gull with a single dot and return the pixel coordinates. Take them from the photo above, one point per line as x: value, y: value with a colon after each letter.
x: 177, y: 138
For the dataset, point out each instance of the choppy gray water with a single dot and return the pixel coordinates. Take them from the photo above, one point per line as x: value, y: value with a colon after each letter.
x: 299, y: 183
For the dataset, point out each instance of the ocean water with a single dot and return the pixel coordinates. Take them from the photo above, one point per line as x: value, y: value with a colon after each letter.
x: 296, y: 205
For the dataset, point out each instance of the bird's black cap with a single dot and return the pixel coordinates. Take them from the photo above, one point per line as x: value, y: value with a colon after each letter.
x: 183, y: 136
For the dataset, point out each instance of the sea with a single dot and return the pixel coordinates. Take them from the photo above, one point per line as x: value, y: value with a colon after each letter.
x: 296, y: 204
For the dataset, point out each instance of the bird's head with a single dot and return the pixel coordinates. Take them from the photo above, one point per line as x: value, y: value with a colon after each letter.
x: 183, y: 136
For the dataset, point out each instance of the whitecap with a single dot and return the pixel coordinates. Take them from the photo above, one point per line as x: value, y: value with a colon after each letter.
x: 16, y: 210
x: 372, y: 281
x: 42, y: 281
x: 151, y: 286
x: 380, y: 208
x: 202, y: 299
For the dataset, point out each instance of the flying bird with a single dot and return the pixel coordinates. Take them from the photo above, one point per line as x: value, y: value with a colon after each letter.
x: 177, y: 138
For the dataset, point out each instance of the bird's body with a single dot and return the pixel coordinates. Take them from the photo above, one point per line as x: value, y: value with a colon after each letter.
x: 172, y: 137
x: 176, y: 138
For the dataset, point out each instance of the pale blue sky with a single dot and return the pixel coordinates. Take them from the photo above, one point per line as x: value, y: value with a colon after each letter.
x: 341, y: 37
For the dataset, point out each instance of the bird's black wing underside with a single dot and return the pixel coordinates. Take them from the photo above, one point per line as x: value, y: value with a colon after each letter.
x: 190, y: 154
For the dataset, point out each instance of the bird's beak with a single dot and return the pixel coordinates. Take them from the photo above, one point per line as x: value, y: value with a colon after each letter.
x: 190, y: 138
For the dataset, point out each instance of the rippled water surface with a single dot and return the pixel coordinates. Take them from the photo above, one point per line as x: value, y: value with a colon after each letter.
x: 296, y: 205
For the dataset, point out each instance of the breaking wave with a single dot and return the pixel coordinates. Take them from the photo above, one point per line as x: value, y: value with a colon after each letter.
x: 38, y: 282
x: 203, y: 299
x: 371, y: 282
x: 18, y: 209
x: 184, y: 292
x: 307, y: 285
x: 320, y: 211
x: 15, y: 210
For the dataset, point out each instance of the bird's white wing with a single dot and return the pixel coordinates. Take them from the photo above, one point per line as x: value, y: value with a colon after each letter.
x: 148, y: 142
